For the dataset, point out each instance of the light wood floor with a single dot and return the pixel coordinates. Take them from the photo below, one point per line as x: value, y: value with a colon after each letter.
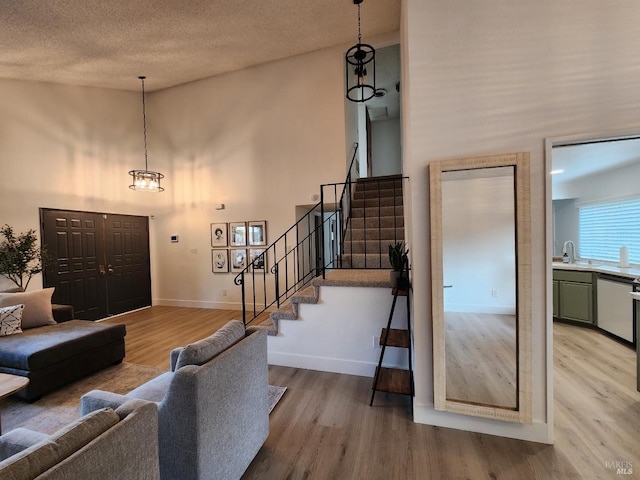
x: 323, y: 428
x: 481, y: 359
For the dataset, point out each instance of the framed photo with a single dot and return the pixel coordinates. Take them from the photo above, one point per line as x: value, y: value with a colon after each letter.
x: 259, y: 255
x: 238, y: 259
x: 257, y: 232
x: 238, y: 234
x: 219, y: 235
x: 220, y: 260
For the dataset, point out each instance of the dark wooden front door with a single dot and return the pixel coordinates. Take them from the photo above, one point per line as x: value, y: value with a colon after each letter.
x: 102, y: 261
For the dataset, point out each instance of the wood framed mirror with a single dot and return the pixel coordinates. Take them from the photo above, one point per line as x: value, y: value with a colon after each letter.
x: 481, y: 286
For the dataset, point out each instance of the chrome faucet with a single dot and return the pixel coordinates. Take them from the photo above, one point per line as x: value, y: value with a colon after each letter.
x: 572, y: 257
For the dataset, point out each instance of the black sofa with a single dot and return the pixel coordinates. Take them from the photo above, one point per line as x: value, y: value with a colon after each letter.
x: 54, y: 355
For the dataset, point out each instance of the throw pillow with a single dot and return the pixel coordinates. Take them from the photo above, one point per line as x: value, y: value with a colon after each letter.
x: 10, y: 318
x: 200, y: 352
x: 37, y: 306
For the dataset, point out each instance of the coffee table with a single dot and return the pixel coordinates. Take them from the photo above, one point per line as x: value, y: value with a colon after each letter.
x: 10, y: 384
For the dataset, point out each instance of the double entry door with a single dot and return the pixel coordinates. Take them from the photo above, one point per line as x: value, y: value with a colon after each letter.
x: 101, y: 263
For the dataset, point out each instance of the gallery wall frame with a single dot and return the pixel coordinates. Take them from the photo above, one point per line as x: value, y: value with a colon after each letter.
x: 219, y: 237
x: 257, y: 232
x: 258, y: 255
x: 220, y: 260
x: 230, y: 242
x: 238, y: 259
x: 237, y: 234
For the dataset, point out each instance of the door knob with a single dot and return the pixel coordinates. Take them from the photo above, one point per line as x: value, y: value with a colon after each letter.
x: 110, y: 269
x: 101, y: 270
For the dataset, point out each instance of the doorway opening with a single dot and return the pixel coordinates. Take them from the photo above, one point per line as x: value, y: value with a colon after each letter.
x: 588, y: 296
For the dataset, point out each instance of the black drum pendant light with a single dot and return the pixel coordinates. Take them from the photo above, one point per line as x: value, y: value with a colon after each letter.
x: 145, y: 180
x: 361, y: 68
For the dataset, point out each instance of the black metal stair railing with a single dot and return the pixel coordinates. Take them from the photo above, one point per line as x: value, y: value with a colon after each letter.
x: 296, y: 257
x: 324, y: 239
x: 380, y: 217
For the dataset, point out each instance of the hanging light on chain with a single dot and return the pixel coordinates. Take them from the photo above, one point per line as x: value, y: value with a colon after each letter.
x: 360, y: 68
x: 145, y: 180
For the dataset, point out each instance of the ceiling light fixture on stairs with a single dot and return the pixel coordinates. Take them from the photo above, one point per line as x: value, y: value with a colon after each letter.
x: 361, y: 68
x: 145, y: 180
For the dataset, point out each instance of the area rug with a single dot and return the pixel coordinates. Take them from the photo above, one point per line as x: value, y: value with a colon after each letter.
x: 275, y: 394
x: 61, y: 407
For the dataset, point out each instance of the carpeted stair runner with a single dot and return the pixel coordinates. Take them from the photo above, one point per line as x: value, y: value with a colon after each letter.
x: 377, y: 219
x: 334, y: 278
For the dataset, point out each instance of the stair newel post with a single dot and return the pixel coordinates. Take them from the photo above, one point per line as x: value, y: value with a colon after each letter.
x: 395, y: 216
x: 276, y: 273
x: 239, y: 280
x: 309, y: 251
x: 296, y: 265
x: 322, y: 259
x: 379, y: 221
x: 334, y: 235
x: 345, y: 215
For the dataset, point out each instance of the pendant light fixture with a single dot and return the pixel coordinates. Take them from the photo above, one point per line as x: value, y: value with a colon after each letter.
x: 145, y: 180
x: 361, y: 68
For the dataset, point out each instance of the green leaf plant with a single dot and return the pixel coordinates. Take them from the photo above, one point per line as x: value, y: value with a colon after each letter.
x: 398, y: 255
x: 20, y: 256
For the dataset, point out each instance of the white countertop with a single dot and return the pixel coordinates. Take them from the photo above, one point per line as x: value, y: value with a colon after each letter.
x: 612, y: 269
x: 635, y: 295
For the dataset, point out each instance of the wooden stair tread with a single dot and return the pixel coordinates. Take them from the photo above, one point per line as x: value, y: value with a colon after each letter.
x: 397, y: 337
x: 394, y: 380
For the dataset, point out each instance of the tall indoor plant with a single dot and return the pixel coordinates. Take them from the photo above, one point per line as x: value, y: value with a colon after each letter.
x: 20, y: 256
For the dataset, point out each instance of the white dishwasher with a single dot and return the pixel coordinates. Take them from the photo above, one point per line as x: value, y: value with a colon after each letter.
x: 615, y: 307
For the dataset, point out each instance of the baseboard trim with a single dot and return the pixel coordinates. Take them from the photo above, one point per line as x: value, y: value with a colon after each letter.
x: 165, y: 302
x: 322, y: 364
x: 537, y: 432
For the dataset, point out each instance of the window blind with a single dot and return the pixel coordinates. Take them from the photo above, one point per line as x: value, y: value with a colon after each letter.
x: 605, y: 227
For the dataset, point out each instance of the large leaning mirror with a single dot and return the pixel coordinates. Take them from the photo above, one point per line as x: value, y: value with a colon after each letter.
x: 481, y: 282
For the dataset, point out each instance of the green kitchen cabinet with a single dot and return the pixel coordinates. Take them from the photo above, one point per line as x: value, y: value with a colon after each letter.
x: 573, y: 296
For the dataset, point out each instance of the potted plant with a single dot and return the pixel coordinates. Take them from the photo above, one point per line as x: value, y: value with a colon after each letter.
x: 398, y: 254
x: 20, y: 256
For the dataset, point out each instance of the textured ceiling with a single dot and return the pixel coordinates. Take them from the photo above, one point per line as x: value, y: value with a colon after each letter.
x: 109, y: 43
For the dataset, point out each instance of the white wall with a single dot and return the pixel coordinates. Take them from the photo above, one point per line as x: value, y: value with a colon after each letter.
x: 336, y: 334
x: 385, y: 147
x: 609, y: 185
x: 494, y: 77
x: 260, y: 141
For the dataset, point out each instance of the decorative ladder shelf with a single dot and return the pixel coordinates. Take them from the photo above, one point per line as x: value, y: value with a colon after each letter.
x: 394, y: 380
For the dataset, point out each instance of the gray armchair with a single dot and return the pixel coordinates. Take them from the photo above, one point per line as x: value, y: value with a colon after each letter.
x: 212, y: 405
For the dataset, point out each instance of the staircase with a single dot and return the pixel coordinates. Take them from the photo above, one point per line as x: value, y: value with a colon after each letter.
x: 376, y: 220
x: 310, y: 294
x: 350, y: 229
